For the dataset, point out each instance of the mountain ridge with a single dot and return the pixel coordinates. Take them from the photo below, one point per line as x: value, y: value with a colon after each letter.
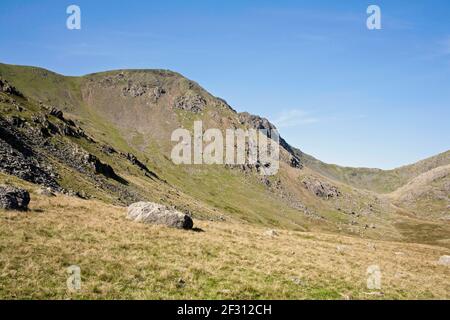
x: 308, y: 158
x: 111, y: 130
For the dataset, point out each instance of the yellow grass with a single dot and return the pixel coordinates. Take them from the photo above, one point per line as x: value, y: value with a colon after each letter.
x: 123, y: 259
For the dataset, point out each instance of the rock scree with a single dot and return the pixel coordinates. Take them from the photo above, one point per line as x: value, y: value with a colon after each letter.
x: 153, y: 213
x: 12, y: 198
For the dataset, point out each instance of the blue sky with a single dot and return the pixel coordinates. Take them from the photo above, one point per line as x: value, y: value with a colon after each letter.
x: 335, y: 89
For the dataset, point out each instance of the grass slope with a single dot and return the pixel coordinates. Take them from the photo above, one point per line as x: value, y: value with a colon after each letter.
x: 225, y: 260
x: 381, y: 181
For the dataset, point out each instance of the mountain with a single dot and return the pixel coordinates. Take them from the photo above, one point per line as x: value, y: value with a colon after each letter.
x: 112, y: 132
x: 103, y: 141
x: 381, y: 181
x: 427, y: 194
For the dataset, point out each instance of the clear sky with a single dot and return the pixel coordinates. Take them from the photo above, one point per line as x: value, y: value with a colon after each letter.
x: 336, y: 90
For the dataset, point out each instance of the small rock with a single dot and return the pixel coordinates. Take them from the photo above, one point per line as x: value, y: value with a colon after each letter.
x: 12, y: 198
x: 181, y: 283
x: 346, y: 296
x: 444, y: 260
x: 297, y: 281
x: 271, y: 233
x: 225, y: 291
x: 46, y: 192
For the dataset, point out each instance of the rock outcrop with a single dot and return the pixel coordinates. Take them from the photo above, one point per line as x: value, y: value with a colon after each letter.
x: 191, y: 102
x: 259, y: 123
x: 320, y: 188
x: 153, y: 213
x: 18, y: 158
x: 12, y: 198
x: 8, y: 89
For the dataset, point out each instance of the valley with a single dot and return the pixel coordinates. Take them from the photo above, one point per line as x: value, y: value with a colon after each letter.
x: 103, y: 141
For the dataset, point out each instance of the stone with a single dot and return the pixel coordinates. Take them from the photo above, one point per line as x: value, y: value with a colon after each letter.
x: 444, y: 260
x: 46, y: 192
x: 271, y: 233
x: 153, y: 213
x: 12, y: 198
x: 57, y: 113
x: 297, y: 281
x: 108, y: 150
x: 181, y: 283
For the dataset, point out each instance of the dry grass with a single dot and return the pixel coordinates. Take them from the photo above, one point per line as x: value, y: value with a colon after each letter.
x: 229, y: 260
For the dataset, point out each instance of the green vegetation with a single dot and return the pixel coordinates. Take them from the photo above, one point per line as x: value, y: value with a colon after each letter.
x: 394, y: 210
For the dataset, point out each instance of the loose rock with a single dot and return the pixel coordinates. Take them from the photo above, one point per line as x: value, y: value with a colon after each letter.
x: 153, y: 213
x: 46, y: 192
x: 271, y: 233
x: 12, y: 198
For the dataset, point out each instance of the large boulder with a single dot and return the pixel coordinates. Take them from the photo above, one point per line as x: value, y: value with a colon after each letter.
x: 14, y: 198
x: 153, y: 213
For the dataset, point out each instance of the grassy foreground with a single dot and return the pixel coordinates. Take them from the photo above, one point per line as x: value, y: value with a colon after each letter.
x: 227, y: 260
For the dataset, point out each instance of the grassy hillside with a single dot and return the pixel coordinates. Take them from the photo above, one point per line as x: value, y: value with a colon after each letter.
x: 221, y: 260
x: 111, y: 147
x: 135, y: 111
x: 427, y: 195
x: 382, y: 181
x: 44, y: 85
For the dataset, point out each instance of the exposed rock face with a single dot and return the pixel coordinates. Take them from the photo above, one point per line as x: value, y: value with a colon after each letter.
x: 14, y: 198
x: 259, y: 123
x: 134, y: 160
x: 18, y: 158
x: 7, y: 88
x: 153, y: 213
x: 65, y: 127
x: 321, y: 189
x: 295, y: 162
x: 157, y: 93
x: 100, y: 167
x: 255, y: 122
x: 57, y: 113
x: 135, y: 90
x: 191, y: 102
